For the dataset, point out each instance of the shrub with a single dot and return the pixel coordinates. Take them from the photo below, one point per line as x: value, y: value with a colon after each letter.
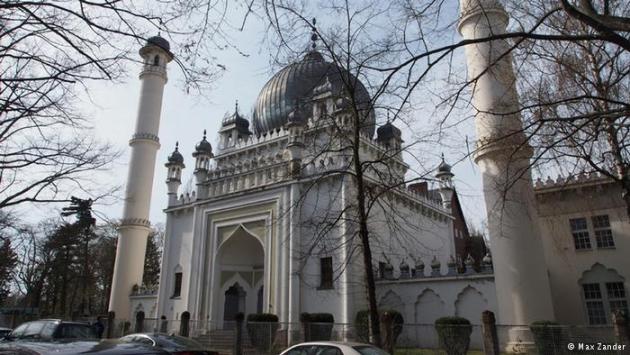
x: 547, y: 337
x: 262, y: 329
x: 454, y: 334
x: 317, y: 326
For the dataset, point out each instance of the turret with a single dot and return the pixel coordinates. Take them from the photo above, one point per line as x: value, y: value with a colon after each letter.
x: 174, y: 166
x: 296, y: 123
x: 202, y: 155
x: 233, y: 128
x: 445, y: 181
x: 390, y: 136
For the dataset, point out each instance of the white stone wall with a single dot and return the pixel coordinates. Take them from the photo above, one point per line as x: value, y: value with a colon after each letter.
x: 563, y: 200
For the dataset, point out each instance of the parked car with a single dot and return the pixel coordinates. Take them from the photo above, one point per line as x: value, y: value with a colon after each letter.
x: 4, y: 332
x: 51, y: 329
x: 170, y: 343
x: 333, y: 348
x: 63, y: 347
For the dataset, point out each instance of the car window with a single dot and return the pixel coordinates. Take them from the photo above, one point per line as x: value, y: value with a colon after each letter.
x: 76, y: 331
x: 48, y: 330
x: 369, y: 350
x: 300, y: 350
x: 143, y: 340
x: 327, y: 350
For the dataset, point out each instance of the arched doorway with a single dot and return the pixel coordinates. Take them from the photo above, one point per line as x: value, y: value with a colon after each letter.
x: 240, y: 269
x: 235, y: 298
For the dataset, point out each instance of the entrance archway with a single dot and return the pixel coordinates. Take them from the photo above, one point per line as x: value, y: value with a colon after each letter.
x: 240, y: 261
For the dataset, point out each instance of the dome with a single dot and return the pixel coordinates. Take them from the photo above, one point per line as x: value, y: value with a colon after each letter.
x: 203, y: 147
x: 160, y: 42
x: 387, y: 131
x: 241, y: 123
x: 176, y: 157
x: 296, y: 82
x: 444, y: 168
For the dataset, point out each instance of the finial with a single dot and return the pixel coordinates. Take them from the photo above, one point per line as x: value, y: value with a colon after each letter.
x: 204, y: 134
x: 314, y: 36
x: 177, y: 146
x: 388, y: 116
x: 236, y: 106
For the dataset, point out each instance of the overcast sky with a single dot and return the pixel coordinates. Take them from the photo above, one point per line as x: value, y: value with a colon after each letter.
x: 113, y: 108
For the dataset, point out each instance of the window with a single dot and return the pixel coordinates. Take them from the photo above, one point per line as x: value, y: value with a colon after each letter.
x: 326, y: 280
x: 603, y: 233
x: 579, y: 230
x: 594, y: 304
x: 156, y: 60
x: 617, y: 296
x: 177, y: 289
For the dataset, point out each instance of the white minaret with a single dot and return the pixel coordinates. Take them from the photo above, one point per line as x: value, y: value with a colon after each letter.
x: 135, y: 226
x: 521, y: 279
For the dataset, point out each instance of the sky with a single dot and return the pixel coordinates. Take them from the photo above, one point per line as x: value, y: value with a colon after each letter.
x: 113, y: 109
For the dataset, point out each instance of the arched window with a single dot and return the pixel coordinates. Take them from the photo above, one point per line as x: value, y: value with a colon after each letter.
x: 156, y: 60
x: 177, y: 282
x: 603, y: 292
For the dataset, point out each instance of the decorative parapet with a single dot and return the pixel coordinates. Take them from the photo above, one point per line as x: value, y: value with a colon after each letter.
x: 405, y: 273
x: 583, y: 178
x: 144, y: 136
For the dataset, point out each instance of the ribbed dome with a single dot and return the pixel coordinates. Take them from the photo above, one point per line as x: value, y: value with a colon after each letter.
x: 203, y: 147
x: 296, y: 82
x: 176, y: 157
x: 387, y: 132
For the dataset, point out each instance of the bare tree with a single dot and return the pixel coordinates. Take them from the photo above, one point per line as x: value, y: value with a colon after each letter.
x: 571, y: 58
x: 51, y: 51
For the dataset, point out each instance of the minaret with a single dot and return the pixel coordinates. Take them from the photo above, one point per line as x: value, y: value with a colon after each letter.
x: 444, y: 176
x: 503, y: 156
x: 175, y: 165
x: 135, y: 226
x: 202, y: 155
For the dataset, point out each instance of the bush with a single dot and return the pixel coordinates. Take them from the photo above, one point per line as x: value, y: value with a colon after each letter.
x: 317, y: 326
x: 361, y: 324
x: 454, y: 334
x: 547, y: 337
x: 262, y: 329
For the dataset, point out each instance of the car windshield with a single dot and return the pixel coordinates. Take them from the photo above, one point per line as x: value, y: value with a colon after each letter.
x: 369, y: 350
x: 176, y: 342
x: 33, y: 330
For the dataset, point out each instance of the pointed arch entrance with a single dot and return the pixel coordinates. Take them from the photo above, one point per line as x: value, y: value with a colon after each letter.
x: 240, y: 262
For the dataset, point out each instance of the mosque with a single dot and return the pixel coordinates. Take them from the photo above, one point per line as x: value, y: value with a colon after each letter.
x: 270, y: 224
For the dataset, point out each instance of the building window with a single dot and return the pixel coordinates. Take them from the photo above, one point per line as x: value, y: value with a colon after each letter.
x: 381, y: 270
x: 594, y: 304
x: 617, y: 296
x: 326, y: 275
x: 603, y: 233
x: 177, y: 287
x: 579, y: 230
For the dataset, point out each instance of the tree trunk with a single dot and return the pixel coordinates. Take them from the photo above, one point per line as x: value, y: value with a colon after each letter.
x: 374, y: 328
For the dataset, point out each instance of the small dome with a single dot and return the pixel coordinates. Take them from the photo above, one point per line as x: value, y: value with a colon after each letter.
x: 203, y: 147
x: 387, y: 132
x: 176, y: 157
x: 241, y: 123
x: 160, y: 42
x: 444, y: 167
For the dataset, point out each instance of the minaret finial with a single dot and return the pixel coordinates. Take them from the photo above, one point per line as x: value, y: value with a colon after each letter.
x: 177, y: 146
x: 236, y: 106
x: 204, y: 134
x: 314, y: 36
